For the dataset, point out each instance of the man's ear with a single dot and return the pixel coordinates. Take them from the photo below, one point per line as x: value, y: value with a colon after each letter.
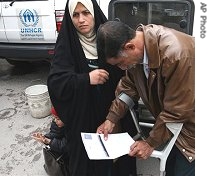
x: 129, y: 46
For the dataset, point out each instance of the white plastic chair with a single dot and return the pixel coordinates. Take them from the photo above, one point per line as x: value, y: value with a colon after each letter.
x: 175, y: 128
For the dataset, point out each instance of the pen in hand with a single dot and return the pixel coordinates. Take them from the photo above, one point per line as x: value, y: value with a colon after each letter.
x: 103, y: 145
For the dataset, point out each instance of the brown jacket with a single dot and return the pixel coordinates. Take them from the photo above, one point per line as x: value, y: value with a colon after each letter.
x: 169, y: 91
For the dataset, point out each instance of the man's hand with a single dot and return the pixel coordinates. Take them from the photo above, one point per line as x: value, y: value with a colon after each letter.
x: 106, y: 128
x: 98, y: 76
x: 141, y: 149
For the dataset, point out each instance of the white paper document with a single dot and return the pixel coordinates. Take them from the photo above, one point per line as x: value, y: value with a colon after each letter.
x: 97, y: 148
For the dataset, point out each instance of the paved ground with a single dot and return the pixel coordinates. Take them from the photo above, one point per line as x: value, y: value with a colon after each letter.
x: 20, y: 155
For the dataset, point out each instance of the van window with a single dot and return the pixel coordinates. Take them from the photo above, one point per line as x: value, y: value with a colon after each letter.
x: 178, y: 15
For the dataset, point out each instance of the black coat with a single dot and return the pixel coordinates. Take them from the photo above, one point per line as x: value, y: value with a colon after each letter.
x: 81, y: 106
x: 58, y: 140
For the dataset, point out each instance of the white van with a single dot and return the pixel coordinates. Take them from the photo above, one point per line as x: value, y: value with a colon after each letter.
x: 29, y: 28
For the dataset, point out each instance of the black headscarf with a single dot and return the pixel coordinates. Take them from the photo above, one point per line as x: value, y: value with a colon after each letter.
x: 81, y: 106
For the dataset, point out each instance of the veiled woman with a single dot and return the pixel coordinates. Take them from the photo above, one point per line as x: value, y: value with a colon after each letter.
x: 80, y: 87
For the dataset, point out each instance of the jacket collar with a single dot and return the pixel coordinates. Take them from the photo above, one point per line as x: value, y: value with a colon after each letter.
x: 151, y: 45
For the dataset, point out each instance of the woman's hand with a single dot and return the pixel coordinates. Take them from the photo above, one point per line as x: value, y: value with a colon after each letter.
x: 98, y: 76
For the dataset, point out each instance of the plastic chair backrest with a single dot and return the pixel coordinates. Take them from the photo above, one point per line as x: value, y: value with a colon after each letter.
x: 175, y: 128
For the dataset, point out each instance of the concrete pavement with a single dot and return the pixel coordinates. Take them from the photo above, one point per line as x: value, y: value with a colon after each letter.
x: 20, y: 155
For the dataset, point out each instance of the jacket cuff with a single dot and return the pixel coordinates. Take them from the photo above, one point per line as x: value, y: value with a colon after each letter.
x: 152, y: 142
x: 112, y: 117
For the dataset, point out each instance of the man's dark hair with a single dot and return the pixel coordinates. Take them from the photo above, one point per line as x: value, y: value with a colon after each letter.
x: 111, y: 37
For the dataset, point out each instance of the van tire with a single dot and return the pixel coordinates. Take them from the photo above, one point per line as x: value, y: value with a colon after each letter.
x: 17, y: 63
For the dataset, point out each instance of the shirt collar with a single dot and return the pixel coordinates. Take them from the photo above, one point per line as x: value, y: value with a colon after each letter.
x: 145, y: 59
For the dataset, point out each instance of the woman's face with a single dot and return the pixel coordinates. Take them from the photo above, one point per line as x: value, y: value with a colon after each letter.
x: 83, y: 19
